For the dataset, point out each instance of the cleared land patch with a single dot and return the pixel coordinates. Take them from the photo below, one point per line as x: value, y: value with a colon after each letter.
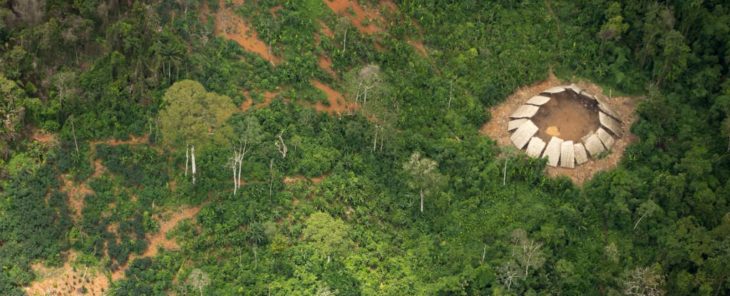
x: 497, y: 127
x: 233, y: 27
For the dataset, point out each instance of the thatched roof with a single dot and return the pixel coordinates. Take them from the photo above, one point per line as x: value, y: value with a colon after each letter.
x: 535, y: 147
x: 525, y: 111
x: 567, y: 158
x: 523, y: 134
x: 552, y: 152
x: 580, y: 153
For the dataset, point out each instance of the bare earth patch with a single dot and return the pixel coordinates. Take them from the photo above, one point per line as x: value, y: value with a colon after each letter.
x: 294, y: 179
x: 43, y: 137
x: 326, y: 64
x: 67, y: 280
x: 231, y: 26
x: 326, y: 30
x: 551, y: 118
x: 418, y: 45
x: 366, y: 20
x: 337, y: 103
x: 268, y: 98
x: 76, y: 195
x: 496, y: 128
x: 159, y: 239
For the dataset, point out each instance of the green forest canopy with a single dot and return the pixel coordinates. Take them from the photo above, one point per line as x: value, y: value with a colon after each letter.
x: 331, y: 204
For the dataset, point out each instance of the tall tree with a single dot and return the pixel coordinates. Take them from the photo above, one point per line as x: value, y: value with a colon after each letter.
x: 192, y: 116
x: 247, y: 133
x: 423, y: 175
x: 328, y: 235
x: 13, y: 106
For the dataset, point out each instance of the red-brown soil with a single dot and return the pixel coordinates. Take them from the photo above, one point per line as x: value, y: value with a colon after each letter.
x: 337, y: 103
x: 67, y: 280
x: 326, y: 64
x: 43, y: 137
x: 418, y: 45
x: 366, y: 20
x: 159, y: 239
x: 326, y: 30
x: 294, y: 179
x: 231, y: 26
x: 268, y: 98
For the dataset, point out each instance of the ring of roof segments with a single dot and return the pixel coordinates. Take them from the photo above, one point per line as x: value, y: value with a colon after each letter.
x: 566, y: 125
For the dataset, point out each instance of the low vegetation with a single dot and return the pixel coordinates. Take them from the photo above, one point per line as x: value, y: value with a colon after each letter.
x: 396, y: 191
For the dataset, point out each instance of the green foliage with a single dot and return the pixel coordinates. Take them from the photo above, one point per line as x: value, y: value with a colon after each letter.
x: 194, y: 116
x: 659, y: 222
x: 138, y: 166
x: 35, y: 219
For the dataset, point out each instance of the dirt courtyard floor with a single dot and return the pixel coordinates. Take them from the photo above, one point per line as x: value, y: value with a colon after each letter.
x: 496, y: 128
x: 551, y: 117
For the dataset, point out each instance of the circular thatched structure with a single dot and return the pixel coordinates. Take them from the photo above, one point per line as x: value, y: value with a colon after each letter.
x: 566, y: 125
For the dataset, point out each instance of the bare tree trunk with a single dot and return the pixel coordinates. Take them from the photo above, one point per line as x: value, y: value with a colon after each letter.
x: 484, y: 254
x: 192, y: 152
x: 451, y: 92
x: 255, y: 258
x: 375, y: 138
x: 421, y: 200
x: 187, y: 159
x: 281, y: 145
x: 271, y: 177
x: 344, y: 42
x: 240, y: 164
x: 235, y: 183
x: 381, y: 139
x: 638, y: 221
x: 76, y: 142
x: 504, y: 172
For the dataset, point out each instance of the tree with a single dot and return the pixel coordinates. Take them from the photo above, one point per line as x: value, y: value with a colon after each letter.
x: 192, y: 116
x: 328, y: 235
x: 375, y: 96
x: 644, y: 281
x: 65, y: 84
x: 526, y: 252
x: 423, y: 175
x: 247, y: 133
x: 199, y: 280
x: 13, y: 106
x: 726, y: 130
x: 29, y: 12
x: 615, y: 25
x: 646, y: 209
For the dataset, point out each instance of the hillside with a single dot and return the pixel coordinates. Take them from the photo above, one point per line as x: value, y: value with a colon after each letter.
x: 363, y: 147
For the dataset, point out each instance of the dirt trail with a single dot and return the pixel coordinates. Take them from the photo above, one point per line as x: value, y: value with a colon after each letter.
x: 133, y: 140
x: 268, y: 98
x: 231, y: 26
x: 366, y: 20
x: 68, y: 280
x: 43, y: 137
x: 298, y: 178
x: 496, y: 128
x: 159, y: 239
x: 326, y: 30
x: 326, y: 64
x: 337, y: 103
x: 418, y: 45
x: 76, y: 195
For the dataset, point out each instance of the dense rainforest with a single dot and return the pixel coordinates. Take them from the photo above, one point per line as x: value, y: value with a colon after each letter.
x: 272, y: 147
